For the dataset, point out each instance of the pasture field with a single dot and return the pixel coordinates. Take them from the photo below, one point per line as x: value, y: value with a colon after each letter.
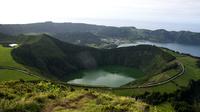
x: 7, y: 75
x: 7, y: 60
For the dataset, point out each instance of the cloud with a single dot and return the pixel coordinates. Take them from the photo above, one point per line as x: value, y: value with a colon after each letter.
x: 173, y: 11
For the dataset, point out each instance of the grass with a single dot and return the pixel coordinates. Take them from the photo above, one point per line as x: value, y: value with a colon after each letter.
x: 168, y: 88
x: 165, y: 107
x: 37, y: 96
x: 163, y: 76
x: 7, y: 75
x: 192, y: 72
x: 6, y: 58
x: 42, y: 95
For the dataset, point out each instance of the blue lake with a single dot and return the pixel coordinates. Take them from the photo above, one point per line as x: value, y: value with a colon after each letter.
x: 182, y: 48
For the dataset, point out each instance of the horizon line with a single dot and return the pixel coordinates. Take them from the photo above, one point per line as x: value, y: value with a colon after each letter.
x: 95, y: 24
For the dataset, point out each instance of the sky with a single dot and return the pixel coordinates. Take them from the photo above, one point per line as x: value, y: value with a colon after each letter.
x: 148, y: 14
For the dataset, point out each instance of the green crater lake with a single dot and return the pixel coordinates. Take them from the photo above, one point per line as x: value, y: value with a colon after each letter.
x: 110, y: 76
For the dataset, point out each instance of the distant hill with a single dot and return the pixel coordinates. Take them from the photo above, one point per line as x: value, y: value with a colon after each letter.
x: 4, y: 38
x: 52, y: 56
x: 80, y: 38
x: 63, y: 31
x: 48, y: 27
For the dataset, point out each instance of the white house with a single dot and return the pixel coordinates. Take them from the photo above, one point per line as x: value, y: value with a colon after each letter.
x: 13, y: 45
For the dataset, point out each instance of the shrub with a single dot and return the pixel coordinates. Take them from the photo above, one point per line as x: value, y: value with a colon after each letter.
x: 40, y: 99
x: 110, y: 108
x: 198, y: 63
x: 31, y: 107
x: 51, y: 96
x: 21, y: 80
x: 72, y: 89
x: 169, y: 67
x: 6, y: 96
x: 182, y: 106
x: 154, y: 98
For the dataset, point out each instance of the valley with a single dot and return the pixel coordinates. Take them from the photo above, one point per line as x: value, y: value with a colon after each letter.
x: 92, y: 63
x: 91, y: 60
x: 107, y: 73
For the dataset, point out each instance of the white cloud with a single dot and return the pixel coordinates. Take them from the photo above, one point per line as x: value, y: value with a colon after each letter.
x: 169, y: 11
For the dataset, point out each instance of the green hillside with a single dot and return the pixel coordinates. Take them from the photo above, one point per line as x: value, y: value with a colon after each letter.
x: 41, y: 57
x: 198, y: 63
x: 192, y: 72
x: 59, y: 59
x: 37, y: 96
x: 7, y: 38
x: 6, y: 60
x: 8, y: 75
x: 88, y: 33
x: 45, y: 96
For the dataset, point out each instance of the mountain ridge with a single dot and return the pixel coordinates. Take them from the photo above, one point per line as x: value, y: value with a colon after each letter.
x: 59, y: 58
x: 60, y: 31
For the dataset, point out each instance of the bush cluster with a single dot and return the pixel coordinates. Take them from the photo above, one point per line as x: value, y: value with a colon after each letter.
x: 183, y: 100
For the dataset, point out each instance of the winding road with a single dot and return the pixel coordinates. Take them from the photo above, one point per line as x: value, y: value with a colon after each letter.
x: 141, y: 86
x: 18, y: 69
x: 103, y: 87
x: 167, y: 80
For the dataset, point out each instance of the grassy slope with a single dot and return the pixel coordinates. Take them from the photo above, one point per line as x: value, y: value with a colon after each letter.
x: 10, y: 62
x: 61, y: 59
x: 191, y: 72
x: 163, y: 76
x: 7, y: 60
x: 58, y: 59
x: 51, y: 97
x: 7, y: 75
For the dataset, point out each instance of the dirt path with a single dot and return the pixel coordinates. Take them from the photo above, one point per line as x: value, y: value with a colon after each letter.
x: 69, y: 104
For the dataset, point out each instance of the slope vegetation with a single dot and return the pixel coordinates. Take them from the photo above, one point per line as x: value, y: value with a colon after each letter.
x: 10, y: 69
x: 63, y: 31
x: 45, y: 96
x: 59, y: 59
